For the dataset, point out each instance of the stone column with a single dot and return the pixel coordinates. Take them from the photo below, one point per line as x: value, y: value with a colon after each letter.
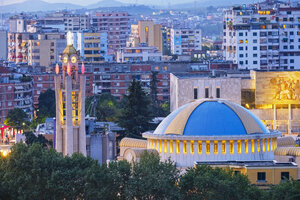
x: 81, y: 114
x: 59, y: 115
x: 69, y: 135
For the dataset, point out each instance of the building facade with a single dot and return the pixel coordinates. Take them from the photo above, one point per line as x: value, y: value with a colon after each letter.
x: 138, y: 54
x: 150, y: 34
x: 184, y: 41
x: 116, y: 24
x: 91, y: 45
x: 273, y: 96
x: 262, y: 36
x: 3, y: 45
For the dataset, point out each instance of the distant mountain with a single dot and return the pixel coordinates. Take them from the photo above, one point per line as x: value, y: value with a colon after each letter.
x: 37, y: 5
x: 106, y: 4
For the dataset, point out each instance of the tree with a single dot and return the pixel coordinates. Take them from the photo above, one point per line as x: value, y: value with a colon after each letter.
x: 135, y: 115
x: 16, y: 118
x: 287, y: 190
x: 105, y: 107
x: 153, y: 179
x: 46, y: 106
x: 204, y: 182
x: 31, y: 139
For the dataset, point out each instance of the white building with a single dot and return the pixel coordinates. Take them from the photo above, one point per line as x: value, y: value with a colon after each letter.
x: 185, y: 41
x: 138, y: 54
x: 262, y: 36
x: 3, y: 45
x: 91, y: 45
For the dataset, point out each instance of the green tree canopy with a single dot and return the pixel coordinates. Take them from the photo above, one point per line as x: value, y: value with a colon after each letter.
x: 16, y: 118
x: 136, y: 115
x: 204, y: 182
x: 153, y: 179
x: 46, y: 106
x: 287, y: 190
x: 105, y: 107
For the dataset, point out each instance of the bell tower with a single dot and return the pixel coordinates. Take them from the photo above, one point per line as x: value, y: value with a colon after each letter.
x: 70, y: 104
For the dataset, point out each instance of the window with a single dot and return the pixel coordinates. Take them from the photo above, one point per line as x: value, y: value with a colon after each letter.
x: 254, y: 33
x: 195, y: 93
x: 255, y: 55
x: 255, y: 62
x: 241, y: 48
x: 155, y: 143
x: 268, y: 144
x: 199, y: 147
x: 231, y: 147
x: 177, y: 147
x: 252, y: 146
x: 184, y: 147
x: 239, y: 146
x: 254, y: 48
x: 264, y: 146
x: 271, y: 144
x: 165, y: 146
x: 261, y: 176
x: 171, y: 146
x: 207, y: 147
x: 285, y: 176
x: 192, y: 146
x: 218, y: 93
x: 258, y: 145
x: 240, y: 34
x: 216, y: 147
x: 224, y: 147
x: 254, y: 41
x: 160, y: 146
x: 246, y: 146
x: 241, y: 55
x: 206, y: 93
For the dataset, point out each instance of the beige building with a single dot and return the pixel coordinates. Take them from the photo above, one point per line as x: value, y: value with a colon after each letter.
x: 273, y: 96
x: 150, y: 34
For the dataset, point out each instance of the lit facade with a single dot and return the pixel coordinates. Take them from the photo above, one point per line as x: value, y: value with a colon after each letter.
x: 70, y: 105
x: 262, y: 36
x: 138, y: 54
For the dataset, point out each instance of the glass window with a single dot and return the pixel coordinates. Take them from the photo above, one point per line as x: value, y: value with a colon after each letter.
x: 268, y: 144
x: 199, y: 147
x: 239, y: 145
x: 165, y: 146
x: 195, y: 93
x: 218, y: 93
x: 224, y: 147
x: 206, y: 93
x: 207, y: 147
x: 261, y: 176
x: 246, y: 146
x: 192, y: 146
x: 253, y: 146
x: 177, y: 147
x: 231, y: 147
x: 216, y: 147
x: 258, y: 145
x: 171, y: 146
x: 160, y: 146
x: 184, y: 147
x: 285, y: 176
x: 264, y: 146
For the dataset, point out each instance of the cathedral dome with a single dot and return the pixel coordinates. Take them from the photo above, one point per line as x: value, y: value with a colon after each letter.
x: 211, y: 117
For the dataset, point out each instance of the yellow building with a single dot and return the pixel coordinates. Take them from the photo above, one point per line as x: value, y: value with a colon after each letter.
x: 150, y: 34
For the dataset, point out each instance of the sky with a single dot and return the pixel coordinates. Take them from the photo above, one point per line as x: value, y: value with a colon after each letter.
x: 87, y: 2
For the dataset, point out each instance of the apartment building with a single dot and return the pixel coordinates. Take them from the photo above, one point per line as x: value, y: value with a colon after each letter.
x: 262, y: 36
x: 138, y: 54
x: 36, y: 49
x: 16, y: 91
x: 184, y: 41
x: 116, y: 24
x: 150, y: 34
x: 76, y: 22
x: 91, y: 45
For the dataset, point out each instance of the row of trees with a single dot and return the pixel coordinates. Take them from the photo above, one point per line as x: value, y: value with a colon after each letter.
x: 36, y: 172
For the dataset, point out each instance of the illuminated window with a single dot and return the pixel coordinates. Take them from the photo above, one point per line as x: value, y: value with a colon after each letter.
x: 199, y: 147
x: 192, y: 146
x: 268, y: 144
x: 252, y: 146
x: 152, y: 144
x: 264, y: 146
x: 177, y: 147
x: 271, y: 144
x: 216, y: 147
x: 207, y: 147
x: 258, y: 145
x: 283, y: 26
x: 171, y: 146
x: 165, y: 68
x: 156, y: 68
x: 184, y: 146
x: 239, y: 146
x: 224, y: 147
x: 268, y: 12
x: 165, y: 146
x: 275, y: 143
x: 241, y: 41
x: 155, y: 144
x: 149, y: 143
x: 246, y: 146
x: 160, y: 146
x: 246, y: 41
x: 231, y: 147
x: 138, y: 51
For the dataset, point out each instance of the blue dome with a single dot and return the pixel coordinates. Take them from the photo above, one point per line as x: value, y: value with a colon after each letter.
x: 211, y: 118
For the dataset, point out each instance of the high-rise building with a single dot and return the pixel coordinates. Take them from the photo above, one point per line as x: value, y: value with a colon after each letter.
x: 262, y: 36
x: 184, y: 41
x: 76, y: 22
x: 70, y: 105
x: 91, y: 45
x: 150, y: 34
x: 116, y: 24
x: 3, y: 45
